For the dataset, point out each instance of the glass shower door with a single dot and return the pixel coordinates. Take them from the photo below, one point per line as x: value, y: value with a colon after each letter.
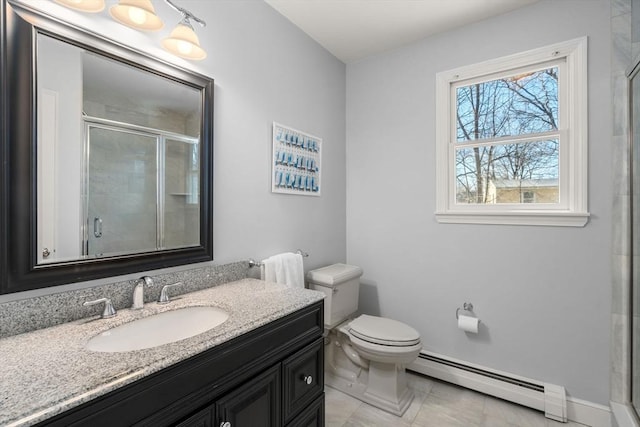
x: 122, y: 191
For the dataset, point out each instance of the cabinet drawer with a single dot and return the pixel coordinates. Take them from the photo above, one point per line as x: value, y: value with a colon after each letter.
x: 312, y: 416
x: 303, y: 378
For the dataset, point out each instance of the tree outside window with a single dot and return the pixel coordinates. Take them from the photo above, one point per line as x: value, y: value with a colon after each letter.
x: 513, y: 106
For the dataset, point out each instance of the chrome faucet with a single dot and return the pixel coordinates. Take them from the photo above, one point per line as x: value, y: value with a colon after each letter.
x: 164, y: 296
x: 108, y: 311
x: 138, y: 292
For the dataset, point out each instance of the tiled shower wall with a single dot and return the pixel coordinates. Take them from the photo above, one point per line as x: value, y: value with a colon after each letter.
x: 621, y: 60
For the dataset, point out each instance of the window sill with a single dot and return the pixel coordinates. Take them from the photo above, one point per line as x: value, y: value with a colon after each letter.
x: 543, y: 218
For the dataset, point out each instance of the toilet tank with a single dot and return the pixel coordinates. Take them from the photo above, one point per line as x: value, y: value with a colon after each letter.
x: 340, y: 283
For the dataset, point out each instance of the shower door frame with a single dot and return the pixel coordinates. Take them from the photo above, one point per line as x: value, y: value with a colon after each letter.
x: 633, y: 387
x: 160, y: 136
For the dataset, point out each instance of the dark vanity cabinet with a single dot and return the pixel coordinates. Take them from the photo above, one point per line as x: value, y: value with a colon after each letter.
x: 256, y: 403
x: 272, y: 376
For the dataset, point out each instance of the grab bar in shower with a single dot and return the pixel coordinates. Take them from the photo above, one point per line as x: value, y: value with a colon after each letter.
x: 254, y: 263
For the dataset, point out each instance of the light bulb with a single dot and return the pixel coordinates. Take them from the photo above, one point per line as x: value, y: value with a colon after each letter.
x: 137, y: 15
x: 184, y: 48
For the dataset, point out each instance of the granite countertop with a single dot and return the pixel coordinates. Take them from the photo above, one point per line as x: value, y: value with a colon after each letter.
x: 46, y: 372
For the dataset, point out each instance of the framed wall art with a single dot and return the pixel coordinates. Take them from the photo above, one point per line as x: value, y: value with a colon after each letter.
x: 296, y: 163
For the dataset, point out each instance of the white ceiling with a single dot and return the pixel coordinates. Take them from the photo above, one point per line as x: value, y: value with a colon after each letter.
x: 354, y: 29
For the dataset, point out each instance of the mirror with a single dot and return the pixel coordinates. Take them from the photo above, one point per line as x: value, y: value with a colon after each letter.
x: 117, y: 157
x: 110, y: 157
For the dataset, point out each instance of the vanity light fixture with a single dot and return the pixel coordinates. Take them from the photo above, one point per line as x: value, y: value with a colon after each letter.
x: 183, y: 40
x: 90, y: 6
x: 138, y: 14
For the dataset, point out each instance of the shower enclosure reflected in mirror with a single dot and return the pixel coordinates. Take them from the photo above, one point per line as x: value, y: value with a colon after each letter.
x: 109, y: 156
x: 120, y: 151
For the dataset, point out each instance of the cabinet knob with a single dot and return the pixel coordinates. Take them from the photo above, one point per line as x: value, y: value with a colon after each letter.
x: 308, y: 379
x: 225, y: 424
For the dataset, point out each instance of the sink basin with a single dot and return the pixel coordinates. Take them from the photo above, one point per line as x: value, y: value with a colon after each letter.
x: 159, y: 329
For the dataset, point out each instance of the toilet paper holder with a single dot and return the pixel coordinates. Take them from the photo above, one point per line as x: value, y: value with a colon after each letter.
x: 467, y: 306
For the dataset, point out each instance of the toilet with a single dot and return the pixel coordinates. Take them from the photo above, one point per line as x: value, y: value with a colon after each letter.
x: 365, y: 357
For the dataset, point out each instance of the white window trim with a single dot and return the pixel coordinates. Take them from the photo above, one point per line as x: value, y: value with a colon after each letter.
x: 572, y: 209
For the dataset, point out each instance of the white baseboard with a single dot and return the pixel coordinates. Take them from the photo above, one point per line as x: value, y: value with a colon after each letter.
x: 571, y: 408
x: 622, y: 415
x: 589, y: 413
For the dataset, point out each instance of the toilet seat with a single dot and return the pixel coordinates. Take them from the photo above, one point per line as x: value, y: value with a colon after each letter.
x: 385, y: 353
x: 383, y: 331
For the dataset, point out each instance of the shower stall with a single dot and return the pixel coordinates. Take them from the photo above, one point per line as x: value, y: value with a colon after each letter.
x: 140, y: 189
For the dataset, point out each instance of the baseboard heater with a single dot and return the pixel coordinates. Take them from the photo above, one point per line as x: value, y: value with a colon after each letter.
x: 549, y: 398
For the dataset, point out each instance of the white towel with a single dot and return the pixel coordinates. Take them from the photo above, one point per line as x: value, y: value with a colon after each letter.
x: 285, y: 269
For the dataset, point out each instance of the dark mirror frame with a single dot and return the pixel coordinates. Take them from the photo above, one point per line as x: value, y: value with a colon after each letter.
x: 18, y: 141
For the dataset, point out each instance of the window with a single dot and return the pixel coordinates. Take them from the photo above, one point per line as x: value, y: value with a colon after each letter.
x: 511, y: 139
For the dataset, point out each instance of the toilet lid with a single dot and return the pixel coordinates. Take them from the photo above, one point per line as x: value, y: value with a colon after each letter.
x: 380, y: 330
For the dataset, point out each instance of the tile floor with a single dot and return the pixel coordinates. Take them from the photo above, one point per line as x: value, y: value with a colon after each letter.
x: 437, y: 404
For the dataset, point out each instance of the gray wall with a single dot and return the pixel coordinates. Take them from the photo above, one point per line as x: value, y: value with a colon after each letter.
x: 265, y: 70
x: 542, y: 293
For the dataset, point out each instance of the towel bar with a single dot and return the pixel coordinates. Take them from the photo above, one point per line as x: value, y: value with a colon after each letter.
x: 254, y: 263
